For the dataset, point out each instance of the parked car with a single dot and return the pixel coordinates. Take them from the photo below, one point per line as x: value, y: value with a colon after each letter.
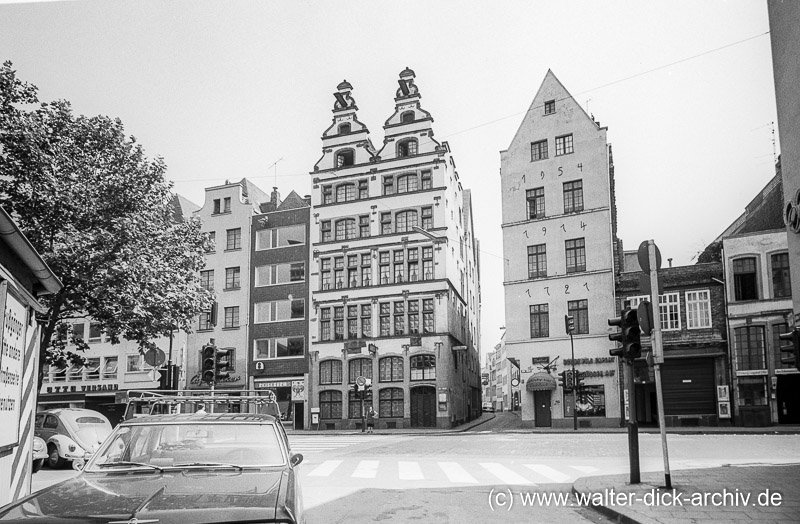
x: 39, y: 453
x: 71, y: 433
x: 176, y: 468
x: 488, y: 407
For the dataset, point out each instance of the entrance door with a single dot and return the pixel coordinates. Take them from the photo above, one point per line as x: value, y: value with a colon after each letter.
x: 542, y: 415
x: 788, y: 397
x: 423, y: 407
x: 299, y: 415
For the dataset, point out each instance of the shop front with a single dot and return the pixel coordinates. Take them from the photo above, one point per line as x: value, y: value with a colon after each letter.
x: 290, y: 394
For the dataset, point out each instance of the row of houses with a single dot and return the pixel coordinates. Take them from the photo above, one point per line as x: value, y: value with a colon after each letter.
x: 720, y: 317
x: 375, y: 275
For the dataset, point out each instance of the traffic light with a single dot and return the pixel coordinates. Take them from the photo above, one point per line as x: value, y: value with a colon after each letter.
x: 562, y: 379
x: 222, y: 364
x: 578, y: 380
x: 792, y: 349
x: 569, y: 324
x: 569, y: 382
x: 209, y: 363
x: 629, y: 335
x: 355, y: 389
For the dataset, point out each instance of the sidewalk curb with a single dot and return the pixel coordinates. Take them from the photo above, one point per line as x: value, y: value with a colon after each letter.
x: 578, y: 487
x: 411, y: 432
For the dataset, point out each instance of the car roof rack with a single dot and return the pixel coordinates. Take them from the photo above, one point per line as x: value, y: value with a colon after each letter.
x: 166, y: 401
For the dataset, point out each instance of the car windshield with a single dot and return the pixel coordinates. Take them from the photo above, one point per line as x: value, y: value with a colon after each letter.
x: 163, y: 445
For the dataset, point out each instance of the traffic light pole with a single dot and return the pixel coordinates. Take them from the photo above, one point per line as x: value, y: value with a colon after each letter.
x: 658, y: 356
x: 633, y: 425
x: 574, y: 388
x: 362, y: 394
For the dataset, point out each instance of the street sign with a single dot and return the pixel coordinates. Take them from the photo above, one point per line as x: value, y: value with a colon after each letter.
x: 155, y: 357
x: 361, y: 381
x: 644, y: 257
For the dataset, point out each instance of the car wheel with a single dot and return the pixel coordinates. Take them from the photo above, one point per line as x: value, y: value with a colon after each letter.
x: 53, y: 458
x: 37, y: 465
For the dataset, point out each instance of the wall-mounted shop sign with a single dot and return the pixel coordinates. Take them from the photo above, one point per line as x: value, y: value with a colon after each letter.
x: 582, y: 361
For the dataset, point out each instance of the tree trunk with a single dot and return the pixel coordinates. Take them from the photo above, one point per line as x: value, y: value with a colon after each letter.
x: 47, y: 335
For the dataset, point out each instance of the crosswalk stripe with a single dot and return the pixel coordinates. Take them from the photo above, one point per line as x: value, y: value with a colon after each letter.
x: 548, y: 472
x: 325, y: 469
x: 585, y: 469
x: 367, y: 469
x: 456, y: 473
x: 409, y: 471
x: 504, y: 474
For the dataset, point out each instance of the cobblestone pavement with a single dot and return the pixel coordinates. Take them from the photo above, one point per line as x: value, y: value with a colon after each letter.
x: 742, y: 493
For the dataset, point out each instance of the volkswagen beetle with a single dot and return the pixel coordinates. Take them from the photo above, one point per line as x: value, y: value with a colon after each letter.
x: 71, y: 433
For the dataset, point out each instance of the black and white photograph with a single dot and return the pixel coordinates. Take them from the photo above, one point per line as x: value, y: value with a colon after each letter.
x: 307, y: 262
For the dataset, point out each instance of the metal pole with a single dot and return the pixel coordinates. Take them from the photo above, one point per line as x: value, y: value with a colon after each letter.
x: 574, y: 389
x: 633, y: 425
x: 169, y: 364
x: 361, y: 394
x: 658, y: 356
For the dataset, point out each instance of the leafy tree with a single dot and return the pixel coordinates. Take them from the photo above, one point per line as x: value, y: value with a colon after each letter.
x: 102, y: 216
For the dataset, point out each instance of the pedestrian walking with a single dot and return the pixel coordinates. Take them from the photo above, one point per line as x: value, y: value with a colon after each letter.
x: 371, y: 416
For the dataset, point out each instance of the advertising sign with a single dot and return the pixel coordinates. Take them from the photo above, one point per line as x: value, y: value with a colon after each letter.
x: 12, y: 338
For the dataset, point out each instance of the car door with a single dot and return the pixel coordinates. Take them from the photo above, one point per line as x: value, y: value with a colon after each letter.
x: 49, y: 426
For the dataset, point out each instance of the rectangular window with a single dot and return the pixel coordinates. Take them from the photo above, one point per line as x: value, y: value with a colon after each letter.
x: 78, y: 331
x: 352, y: 322
x: 207, y: 279
x: 573, y: 196
x: 591, y: 402
x: 399, y: 318
x: 327, y: 194
x: 399, y: 266
x: 669, y: 311
x: 781, y: 281
x: 217, y: 206
x: 537, y: 261
x: 549, y: 107
x: 325, y: 231
x: 279, y: 310
x: 231, y: 317
x: 750, y: 351
x: 752, y: 391
x: 744, y: 279
x: 325, y: 323
x: 227, y: 205
x: 576, y: 255
x: 698, y: 309
x: 204, y: 322
x: 232, y: 278
x: 540, y: 321
x: 330, y: 404
x: 413, y: 317
x: 385, y: 319
x: 363, y: 226
x: 427, y: 180
x: 390, y: 403
x: 283, y: 236
x: 95, y: 333
x: 274, y: 274
x: 423, y: 367
x: 269, y: 348
x: 338, y: 323
x: 427, y: 263
x: 386, y: 223
x: 564, y: 145
x: 234, y: 239
x: 134, y: 363
x: 535, y: 202
x: 363, y: 188
x: 388, y: 185
x: 579, y: 310
x: 366, y: 321
x: 427, y: 218
x: 428, y: 324
x: 212, y: 241
x: 538, y: 150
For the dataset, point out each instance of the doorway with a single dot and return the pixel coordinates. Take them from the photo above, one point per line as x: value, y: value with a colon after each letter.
x: 788, y: 398
x: 423, y: 407
x: 299, y: 415
x: 542, y: 415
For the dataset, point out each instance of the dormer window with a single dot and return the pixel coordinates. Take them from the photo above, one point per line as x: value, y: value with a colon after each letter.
x: 407, y: 148
x: 408, y: 116
x: 344, y: 128
x: 345, y: 158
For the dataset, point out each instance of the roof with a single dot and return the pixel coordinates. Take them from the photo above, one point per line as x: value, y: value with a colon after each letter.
x: 204, y: 418
x: 763, y: 213
x: 15, y: 239
x: 182, y: 208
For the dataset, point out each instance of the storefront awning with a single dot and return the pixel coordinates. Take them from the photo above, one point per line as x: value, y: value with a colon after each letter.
x: 540, y: 382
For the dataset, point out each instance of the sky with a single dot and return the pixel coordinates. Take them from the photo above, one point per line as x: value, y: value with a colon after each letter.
x: 229, y: 89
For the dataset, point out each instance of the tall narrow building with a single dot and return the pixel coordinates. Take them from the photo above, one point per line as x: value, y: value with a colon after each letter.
x: 394, y: 274
x: 559, y: 229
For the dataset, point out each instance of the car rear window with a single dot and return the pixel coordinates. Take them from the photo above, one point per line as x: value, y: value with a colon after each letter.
x: 89, y: 420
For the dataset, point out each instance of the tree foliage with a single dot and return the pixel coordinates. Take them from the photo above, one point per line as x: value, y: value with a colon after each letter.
x: 102, y: 216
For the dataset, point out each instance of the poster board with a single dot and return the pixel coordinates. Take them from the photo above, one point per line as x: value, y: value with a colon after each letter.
x: 12, y: 353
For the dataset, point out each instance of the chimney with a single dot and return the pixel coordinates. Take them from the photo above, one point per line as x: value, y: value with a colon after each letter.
x: 275, y: 199
x: 670, y: 262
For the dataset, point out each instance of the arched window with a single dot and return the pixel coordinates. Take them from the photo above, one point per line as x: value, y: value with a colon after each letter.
x: 345, y: 228
x: 359, y: 367
x: 407, y: 148
x: 390, y: 403
x: 345, y: 192
x: 345, y: 158
x: 390, y: 369
x: 408, y: 116
x: 405, y: 220
x: 406, y: 183
x: 330, y: 372
x: 423, y: 367
x: 344, y: 128
x: 330, y: 404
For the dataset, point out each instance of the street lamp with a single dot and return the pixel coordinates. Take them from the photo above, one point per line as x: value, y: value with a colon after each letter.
x: 429, y: 234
